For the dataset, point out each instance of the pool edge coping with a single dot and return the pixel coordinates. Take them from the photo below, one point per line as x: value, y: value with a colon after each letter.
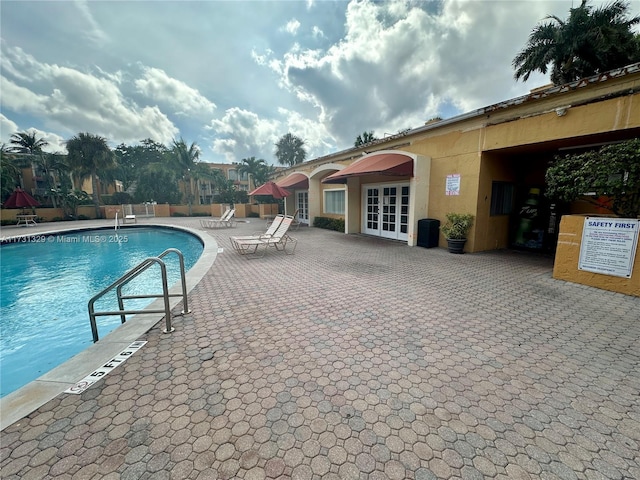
x: 29, y: 398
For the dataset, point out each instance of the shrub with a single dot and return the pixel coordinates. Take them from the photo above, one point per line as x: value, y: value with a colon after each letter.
x: 336, y: 224
x: 457, y: 225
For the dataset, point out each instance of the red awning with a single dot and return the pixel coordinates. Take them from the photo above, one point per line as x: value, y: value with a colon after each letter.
x: 392, y: 164
x: 295, y: 181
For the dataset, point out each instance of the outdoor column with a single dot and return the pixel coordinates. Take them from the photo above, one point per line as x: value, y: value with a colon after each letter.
x: 353, y: 210
x: 419, y: 200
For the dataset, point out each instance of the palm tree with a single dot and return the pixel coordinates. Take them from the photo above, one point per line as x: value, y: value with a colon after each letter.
x: 290, y: 150
x: 204, y: 175
x: 89, y: 154
x: 157, y: 182
x: 264, y: 172
x: 253, y: 168
x: 9, y: 171
x: 25, y: 142
x: 55, y: 170
x: 185, y: 159
x: 589, y: 42
x: 366, y: 137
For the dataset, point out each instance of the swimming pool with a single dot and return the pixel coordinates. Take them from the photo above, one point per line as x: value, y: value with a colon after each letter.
x: 47, y: 280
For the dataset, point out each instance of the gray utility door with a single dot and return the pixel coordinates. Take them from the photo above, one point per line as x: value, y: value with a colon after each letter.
x: 386, y: 210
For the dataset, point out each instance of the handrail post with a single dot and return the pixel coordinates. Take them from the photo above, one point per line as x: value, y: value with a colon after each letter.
x: 183, y: 280
x: 130, y: 275
x: 167, y: 307
x: 123, y: 318
x: 92, y: 320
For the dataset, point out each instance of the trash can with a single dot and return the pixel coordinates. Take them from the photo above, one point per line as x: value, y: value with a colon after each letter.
x: 428, y: 232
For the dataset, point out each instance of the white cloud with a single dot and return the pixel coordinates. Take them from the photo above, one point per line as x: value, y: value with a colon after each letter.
x: 94, y: 33
x: 292, y: 26
x: 7, y: 128
x: 76, y: 101
x: 160, y: 87
x: 318, y: 141
x: 399, y: 64
x: 325, y: 71
x: 244, y: 134
x: 55, y: 143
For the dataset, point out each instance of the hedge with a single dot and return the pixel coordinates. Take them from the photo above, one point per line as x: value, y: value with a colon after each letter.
x: 336, y: 224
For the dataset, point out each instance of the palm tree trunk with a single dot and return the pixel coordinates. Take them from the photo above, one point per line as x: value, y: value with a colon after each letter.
x: 189, y: 196
x: 96, y: 198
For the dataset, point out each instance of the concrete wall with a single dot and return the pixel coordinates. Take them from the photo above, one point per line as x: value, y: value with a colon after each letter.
x: 162, y: 210
x: 568, y: 255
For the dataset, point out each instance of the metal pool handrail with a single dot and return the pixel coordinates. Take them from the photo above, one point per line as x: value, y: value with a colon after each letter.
x: 130, y: 275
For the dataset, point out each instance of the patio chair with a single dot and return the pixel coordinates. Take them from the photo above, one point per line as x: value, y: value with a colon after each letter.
x: 273, y: 226
x: 279, y: 239
x: 206, y: 222
x: 226, y: 220
x: 296, y: 219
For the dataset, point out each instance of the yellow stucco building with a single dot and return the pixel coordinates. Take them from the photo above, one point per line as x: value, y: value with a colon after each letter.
x: 490, y: 162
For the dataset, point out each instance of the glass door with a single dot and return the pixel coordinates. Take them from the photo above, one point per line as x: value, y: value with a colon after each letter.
x: 386, y: 212
x: 302, y: 205
x: 371, y: 211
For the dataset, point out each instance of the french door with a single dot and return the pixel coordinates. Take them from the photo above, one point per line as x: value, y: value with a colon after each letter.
x: 302, y: 205
x: 386, y: 210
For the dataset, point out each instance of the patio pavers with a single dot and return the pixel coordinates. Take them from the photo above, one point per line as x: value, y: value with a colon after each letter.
x: 360, y: 358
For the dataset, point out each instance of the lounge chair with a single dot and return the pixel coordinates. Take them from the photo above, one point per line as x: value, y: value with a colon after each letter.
x: 226, y: 220
x: 279, y: 239
x: 296, y: 219
x: 206, y: 222
x: 273, y: 226
x: 128, y: 215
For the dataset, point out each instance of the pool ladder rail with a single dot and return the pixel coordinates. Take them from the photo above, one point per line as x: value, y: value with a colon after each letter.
x: 130, y: 275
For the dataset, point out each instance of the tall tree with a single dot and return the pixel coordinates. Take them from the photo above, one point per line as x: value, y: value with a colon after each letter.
x: 254, y: 169
x: 185, y: 159
x: 55, y: 171
x: 589, y: 42
x: 290, y: 150
x: 9, y: 172
x: 366, y: 137
x: 27, y: 142
x: 157, y: 183
x: 88, y: 155
x: 264, y: 172
x: 131, y: 160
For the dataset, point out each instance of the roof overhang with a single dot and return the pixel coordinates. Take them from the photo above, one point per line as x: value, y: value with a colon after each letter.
x: 295, y: 181
x: 391, y: 164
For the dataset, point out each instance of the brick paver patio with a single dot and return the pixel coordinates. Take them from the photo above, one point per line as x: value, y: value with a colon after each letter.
x: 358, y: 358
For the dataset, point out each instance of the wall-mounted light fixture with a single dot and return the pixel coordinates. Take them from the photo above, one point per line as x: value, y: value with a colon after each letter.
x: 562, y: 111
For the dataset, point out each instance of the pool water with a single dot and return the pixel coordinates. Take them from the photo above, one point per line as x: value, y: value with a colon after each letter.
x: 47, y: 282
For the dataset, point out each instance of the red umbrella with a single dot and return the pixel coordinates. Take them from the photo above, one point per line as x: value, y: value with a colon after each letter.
x: 20, y: 199
x: 272, y: 189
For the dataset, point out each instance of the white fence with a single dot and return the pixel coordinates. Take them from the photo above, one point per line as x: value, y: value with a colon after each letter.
x: 139, y: 210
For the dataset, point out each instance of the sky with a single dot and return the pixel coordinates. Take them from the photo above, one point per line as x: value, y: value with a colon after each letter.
x: 235, y: 76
